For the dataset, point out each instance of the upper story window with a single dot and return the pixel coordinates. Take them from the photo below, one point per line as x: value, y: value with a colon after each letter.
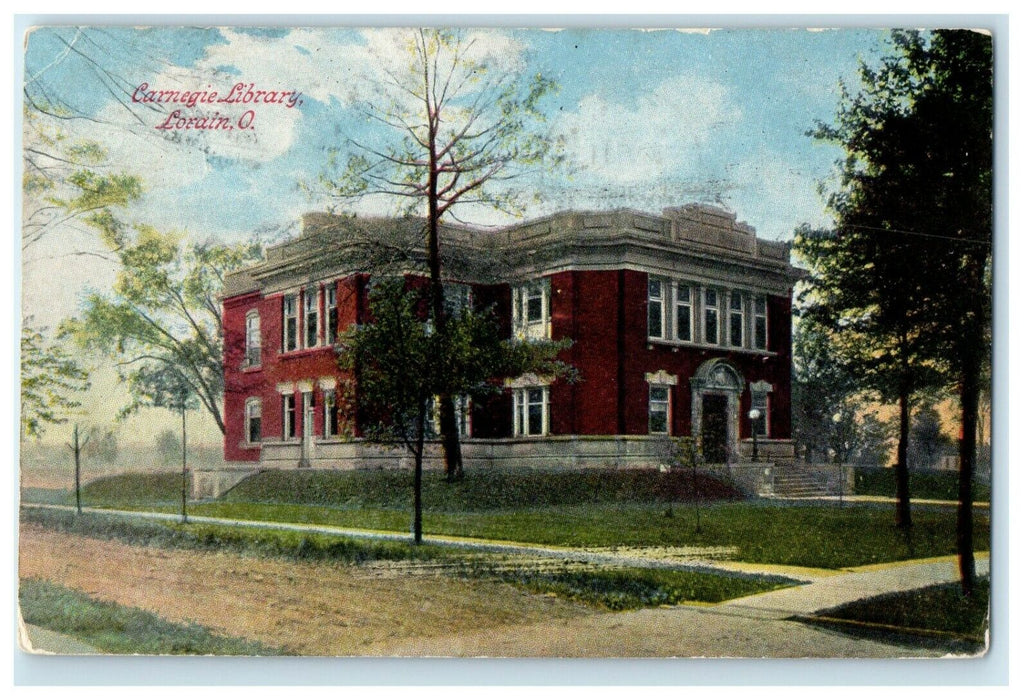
x: 531, y: 309
x: 736, y: 319
x: 761, y: 340
x: 530, y: 411
x: 331, y: 314
x: 711, y: 317
x: 680, y: 311
x: 289, y: 322
x: 655, y: 308
x: 252, y: 419
x: 684, y: 312
x: 310, y: 318
x: 252, y: 357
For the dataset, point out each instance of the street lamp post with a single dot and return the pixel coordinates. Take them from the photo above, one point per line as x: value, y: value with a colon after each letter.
x: 754, y: 414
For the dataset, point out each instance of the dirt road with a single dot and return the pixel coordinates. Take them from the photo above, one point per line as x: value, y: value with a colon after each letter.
x: 311, y: 609
x: 321, y: 609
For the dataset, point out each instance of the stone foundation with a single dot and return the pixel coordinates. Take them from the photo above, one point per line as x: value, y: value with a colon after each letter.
x: 550, y: 453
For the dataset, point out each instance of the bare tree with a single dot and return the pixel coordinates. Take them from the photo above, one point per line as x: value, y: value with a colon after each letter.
x: 466, y: 125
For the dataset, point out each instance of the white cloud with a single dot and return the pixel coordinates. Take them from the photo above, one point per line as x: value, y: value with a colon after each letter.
x: 661, y: 134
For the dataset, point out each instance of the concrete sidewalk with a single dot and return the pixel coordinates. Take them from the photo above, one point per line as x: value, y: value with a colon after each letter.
x: 37, y: 640
x: 866, y: 582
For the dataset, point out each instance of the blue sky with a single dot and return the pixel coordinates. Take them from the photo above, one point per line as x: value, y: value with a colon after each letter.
x: 653, y: 119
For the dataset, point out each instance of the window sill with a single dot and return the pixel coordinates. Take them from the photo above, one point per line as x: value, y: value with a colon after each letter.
x: 249, y: 445
x: 300, y: 352
x: 250, y: 368
x: 651, y: 342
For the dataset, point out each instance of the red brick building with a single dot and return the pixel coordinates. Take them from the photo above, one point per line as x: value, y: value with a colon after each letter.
x: 680, y: 323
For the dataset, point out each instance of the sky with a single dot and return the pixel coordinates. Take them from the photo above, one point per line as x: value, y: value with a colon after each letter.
x: 650, y: 119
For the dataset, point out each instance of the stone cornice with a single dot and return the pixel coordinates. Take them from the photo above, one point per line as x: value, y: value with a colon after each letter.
x: 696, y: 242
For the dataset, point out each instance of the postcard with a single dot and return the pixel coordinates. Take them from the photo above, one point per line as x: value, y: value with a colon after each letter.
x: 506, y: 342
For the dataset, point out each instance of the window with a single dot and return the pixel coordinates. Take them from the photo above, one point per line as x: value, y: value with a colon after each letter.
x: 658, y: 410
x: 530, y: 411
x: 761, y: 330
x: 711, y: 317
x: 655, y: 308
x: 736, y: 319
x: 331, y: 314
x: 331, y: 417
x: 289, y: 322
x: 457, y: 298
x: 253, y: 420
x: 310, y: 318
x: 462, y: 415
x: 761, y: 424
x: 684, y: 313
x: 289, y: 416
x: 253, y: 352
x: 530, y: 310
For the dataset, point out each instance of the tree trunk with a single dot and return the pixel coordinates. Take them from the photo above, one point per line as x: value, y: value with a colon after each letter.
x: 184, y: 477
x: 975, y: 349
x: 903, y: 504
x: 416, y: 524
x: 448, y: 426
x: 78, y: 483
x: 420, y: 442
x: 968, y: 401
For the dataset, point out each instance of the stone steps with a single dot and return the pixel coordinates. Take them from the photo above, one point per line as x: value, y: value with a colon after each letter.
x: 794, y: 482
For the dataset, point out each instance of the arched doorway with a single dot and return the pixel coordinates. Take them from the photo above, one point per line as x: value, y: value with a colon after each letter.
x: 715, y: 409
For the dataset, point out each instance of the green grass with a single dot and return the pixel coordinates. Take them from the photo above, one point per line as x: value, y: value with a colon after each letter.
x: 937, y: 614
x: 248, y: 541
x: 631, y: 588
x: 130, y: 489
x: 478, y: 491
x: 936, y: 485
x: 117, y: 629
x: 822, y: 536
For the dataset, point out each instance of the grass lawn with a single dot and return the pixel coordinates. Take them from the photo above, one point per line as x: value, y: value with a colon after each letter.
x: 577, y: 509
x: 937, y: 614
x: 117, y: 629
x: 822, y: 536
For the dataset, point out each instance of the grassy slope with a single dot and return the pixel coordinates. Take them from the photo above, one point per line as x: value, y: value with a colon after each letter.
x: 117, y: 629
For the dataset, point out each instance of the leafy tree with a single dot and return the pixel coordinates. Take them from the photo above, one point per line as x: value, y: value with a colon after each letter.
x: 398, y: 365
x: 168, y: 446
x: 167, y: 386
x: 104, y: 446
x: 50, y: 377
x: 467, y: 123
x: 928, y: 443
x: 821, y: 387
x: 904, y: 278
x: 163, y: 314
x: 66, y: 179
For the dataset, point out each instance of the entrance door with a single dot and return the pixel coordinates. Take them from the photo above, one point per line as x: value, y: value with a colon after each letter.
x: 713, y: 428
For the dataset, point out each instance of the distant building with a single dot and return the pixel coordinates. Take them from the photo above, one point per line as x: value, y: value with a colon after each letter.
x: 681, y: 324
